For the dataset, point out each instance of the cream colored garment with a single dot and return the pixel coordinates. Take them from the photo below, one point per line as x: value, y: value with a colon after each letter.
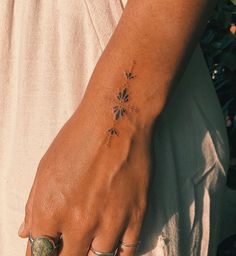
x: 48, y: 50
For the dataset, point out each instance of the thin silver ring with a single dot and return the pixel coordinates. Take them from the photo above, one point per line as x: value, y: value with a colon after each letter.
x: 130, y: 245
x: 103, y: 253
x: 31, y: 238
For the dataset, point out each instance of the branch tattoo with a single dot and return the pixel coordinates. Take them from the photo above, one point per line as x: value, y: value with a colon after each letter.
x: 121, y: 106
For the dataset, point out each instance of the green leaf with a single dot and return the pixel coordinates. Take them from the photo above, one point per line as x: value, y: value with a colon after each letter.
x: 233, y: 1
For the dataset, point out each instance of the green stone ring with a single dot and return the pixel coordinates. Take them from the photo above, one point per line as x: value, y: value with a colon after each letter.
x: 43, y: 246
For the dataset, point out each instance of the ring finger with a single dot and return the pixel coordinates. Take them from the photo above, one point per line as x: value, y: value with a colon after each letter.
x: 130, y: 240
x: 107, y: 241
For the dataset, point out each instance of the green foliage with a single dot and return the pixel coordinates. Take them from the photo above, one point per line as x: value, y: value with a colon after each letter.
x: 219, y: 47
x: 233, y: 2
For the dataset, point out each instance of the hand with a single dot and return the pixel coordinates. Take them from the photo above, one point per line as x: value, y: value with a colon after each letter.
x: 90, y: 193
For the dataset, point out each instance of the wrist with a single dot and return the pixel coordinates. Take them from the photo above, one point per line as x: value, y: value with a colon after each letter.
x: 97, y: 117
x: 118, y: 104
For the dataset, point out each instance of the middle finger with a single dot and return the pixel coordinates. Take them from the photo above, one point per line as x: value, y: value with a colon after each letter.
x: 107, y: 241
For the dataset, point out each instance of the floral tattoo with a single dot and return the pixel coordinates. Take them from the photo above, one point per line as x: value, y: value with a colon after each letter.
x: 121, y: 106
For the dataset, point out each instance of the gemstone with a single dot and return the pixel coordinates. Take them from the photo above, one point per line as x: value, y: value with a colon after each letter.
x: 42, y: 246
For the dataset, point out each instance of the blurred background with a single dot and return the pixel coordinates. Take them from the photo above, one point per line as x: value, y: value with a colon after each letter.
x: 218, y: 43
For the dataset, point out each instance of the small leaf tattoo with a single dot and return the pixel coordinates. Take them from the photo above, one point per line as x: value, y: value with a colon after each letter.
x: 123, y: 95
x: 112, y: 131
x: 121, y: 103
x: 119, y: 111
x: 129, y: 75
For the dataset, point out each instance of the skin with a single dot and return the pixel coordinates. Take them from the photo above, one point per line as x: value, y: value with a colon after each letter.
x: 97, y: 195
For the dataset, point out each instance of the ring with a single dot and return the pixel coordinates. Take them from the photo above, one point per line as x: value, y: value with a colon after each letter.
x: 43, y: 246
x: 103, y: 253
x: 130, y: 245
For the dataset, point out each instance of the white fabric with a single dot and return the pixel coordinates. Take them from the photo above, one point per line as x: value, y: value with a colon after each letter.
x: 48, y: 50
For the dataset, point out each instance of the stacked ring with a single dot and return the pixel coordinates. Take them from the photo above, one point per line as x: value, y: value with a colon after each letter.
x: 97, y: 253
x: 46, y: 246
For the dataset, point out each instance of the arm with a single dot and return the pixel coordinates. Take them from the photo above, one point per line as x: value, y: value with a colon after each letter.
x: 105, y: 188
x: 161, y: 51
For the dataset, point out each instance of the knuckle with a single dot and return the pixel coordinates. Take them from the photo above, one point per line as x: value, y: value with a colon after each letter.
x: 27, y: 209
x: 143, y: 204
x: 138, y: 215
x: 87, y: 221
x: 46, y: 208
x: 139, y: 212
x: 47, y: 201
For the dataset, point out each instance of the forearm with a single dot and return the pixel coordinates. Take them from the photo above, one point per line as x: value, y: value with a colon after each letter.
x: 159, y: 48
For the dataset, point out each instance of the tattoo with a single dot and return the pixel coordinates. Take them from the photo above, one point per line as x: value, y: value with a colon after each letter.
x: 121, y: 104
x: 119, y: 109
x: 129, y: 75
x: 113, y: 131
x: 123, y: 95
